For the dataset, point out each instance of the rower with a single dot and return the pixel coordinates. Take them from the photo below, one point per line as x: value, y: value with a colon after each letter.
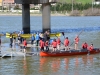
x: 66, y: 44
x: 84, y: 45
x: 90, y: 48
x: 47, y: 45
x: 42, y: 44
x: 54, y: 45
x: 76, y: 42
x: 58, y: 43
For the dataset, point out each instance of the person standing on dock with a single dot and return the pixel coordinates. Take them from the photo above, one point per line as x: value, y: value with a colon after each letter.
x: 45, y: 36
x: 14, y: 42
x: 19, y: 39
x: 32, y: 39
x: 11, y: 40
x: 37, y: 38
x: 25, y: 45
x: 41, y: 35
x: 66, y: 44
x: 48, y: 35
x: 76, y: 42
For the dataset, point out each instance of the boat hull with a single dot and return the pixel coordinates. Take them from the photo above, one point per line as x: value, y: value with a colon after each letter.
x: 69, y: 53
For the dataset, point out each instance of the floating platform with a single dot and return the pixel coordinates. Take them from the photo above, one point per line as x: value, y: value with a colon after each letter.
x: 17, y: 54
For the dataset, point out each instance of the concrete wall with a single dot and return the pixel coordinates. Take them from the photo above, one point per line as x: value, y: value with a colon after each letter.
x: 34, y: 1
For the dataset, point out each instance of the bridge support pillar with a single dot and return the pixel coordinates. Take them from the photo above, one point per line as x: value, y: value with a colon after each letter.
x: 26, y: 18
x: 46, y: 18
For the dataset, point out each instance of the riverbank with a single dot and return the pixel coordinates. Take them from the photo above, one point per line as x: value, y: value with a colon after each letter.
x: 31, y: 14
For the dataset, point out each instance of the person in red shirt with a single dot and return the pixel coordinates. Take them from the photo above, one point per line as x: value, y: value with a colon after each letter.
x: 42, y: 44
x: 58, y: 43
x: 47, y: 45
x: 84, y: 45
x: 76, y: 42
x: 90, y: 48
x: 66, y: 44
x: 54, y: 45
x: 25, y: 45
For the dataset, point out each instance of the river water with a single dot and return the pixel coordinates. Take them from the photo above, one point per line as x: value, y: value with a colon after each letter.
x: 36, y: 65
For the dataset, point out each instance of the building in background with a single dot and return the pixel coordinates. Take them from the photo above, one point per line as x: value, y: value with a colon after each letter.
x: 0, y: 2
x: 8, y: 4
x: 96, y: 1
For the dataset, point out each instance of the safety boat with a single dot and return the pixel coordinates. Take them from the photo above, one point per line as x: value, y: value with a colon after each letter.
x: 29, y: 35
x: 69, y: 53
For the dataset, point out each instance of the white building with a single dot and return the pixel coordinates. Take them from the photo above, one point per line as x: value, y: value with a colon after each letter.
x: 96, y: 2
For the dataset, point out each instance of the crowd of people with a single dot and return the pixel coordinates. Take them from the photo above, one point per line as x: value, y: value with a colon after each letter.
x: 44, y: 42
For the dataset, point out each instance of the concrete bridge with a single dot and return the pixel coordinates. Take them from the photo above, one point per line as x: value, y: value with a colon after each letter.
x: 46, y: 18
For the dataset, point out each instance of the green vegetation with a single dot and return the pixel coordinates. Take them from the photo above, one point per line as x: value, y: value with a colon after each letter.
x: 78, y: 8
x: 76, y: 1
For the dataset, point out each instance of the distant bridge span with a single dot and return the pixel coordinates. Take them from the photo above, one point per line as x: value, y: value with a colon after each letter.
x: 46, y: 18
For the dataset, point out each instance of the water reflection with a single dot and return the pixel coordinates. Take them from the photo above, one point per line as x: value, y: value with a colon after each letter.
x: 68, y: 65
x: 55, y: 64
x: 25, y: 69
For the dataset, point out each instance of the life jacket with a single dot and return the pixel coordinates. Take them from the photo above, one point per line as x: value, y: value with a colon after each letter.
x: 42, y: 44
x: 46, y: 43
x: 66, y: 42
x: 90, y: 48
x: 54, y: 44
x: 58, y: 41
x: 84, y: 46
x: 76, y: 40
x: 25, y: 43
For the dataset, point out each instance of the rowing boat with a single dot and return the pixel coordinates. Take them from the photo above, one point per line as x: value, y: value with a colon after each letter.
x: 69, y: 53
x: 29, y: 35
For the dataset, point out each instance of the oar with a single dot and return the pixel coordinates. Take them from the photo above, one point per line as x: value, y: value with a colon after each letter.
x: 63, y: 34
x: 78, y: 35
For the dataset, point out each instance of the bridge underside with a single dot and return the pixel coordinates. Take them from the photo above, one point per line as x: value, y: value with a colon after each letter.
x: 46, y: 19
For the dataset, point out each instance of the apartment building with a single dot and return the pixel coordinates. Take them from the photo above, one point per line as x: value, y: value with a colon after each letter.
x: 0, y: 2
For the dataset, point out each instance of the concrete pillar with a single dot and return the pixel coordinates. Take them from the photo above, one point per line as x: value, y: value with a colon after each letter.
x: 46, y: 19
x: 26, y: 18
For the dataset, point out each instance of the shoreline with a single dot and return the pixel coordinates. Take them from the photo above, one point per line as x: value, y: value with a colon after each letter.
x: 16, y: 14
x: 39, y: 14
